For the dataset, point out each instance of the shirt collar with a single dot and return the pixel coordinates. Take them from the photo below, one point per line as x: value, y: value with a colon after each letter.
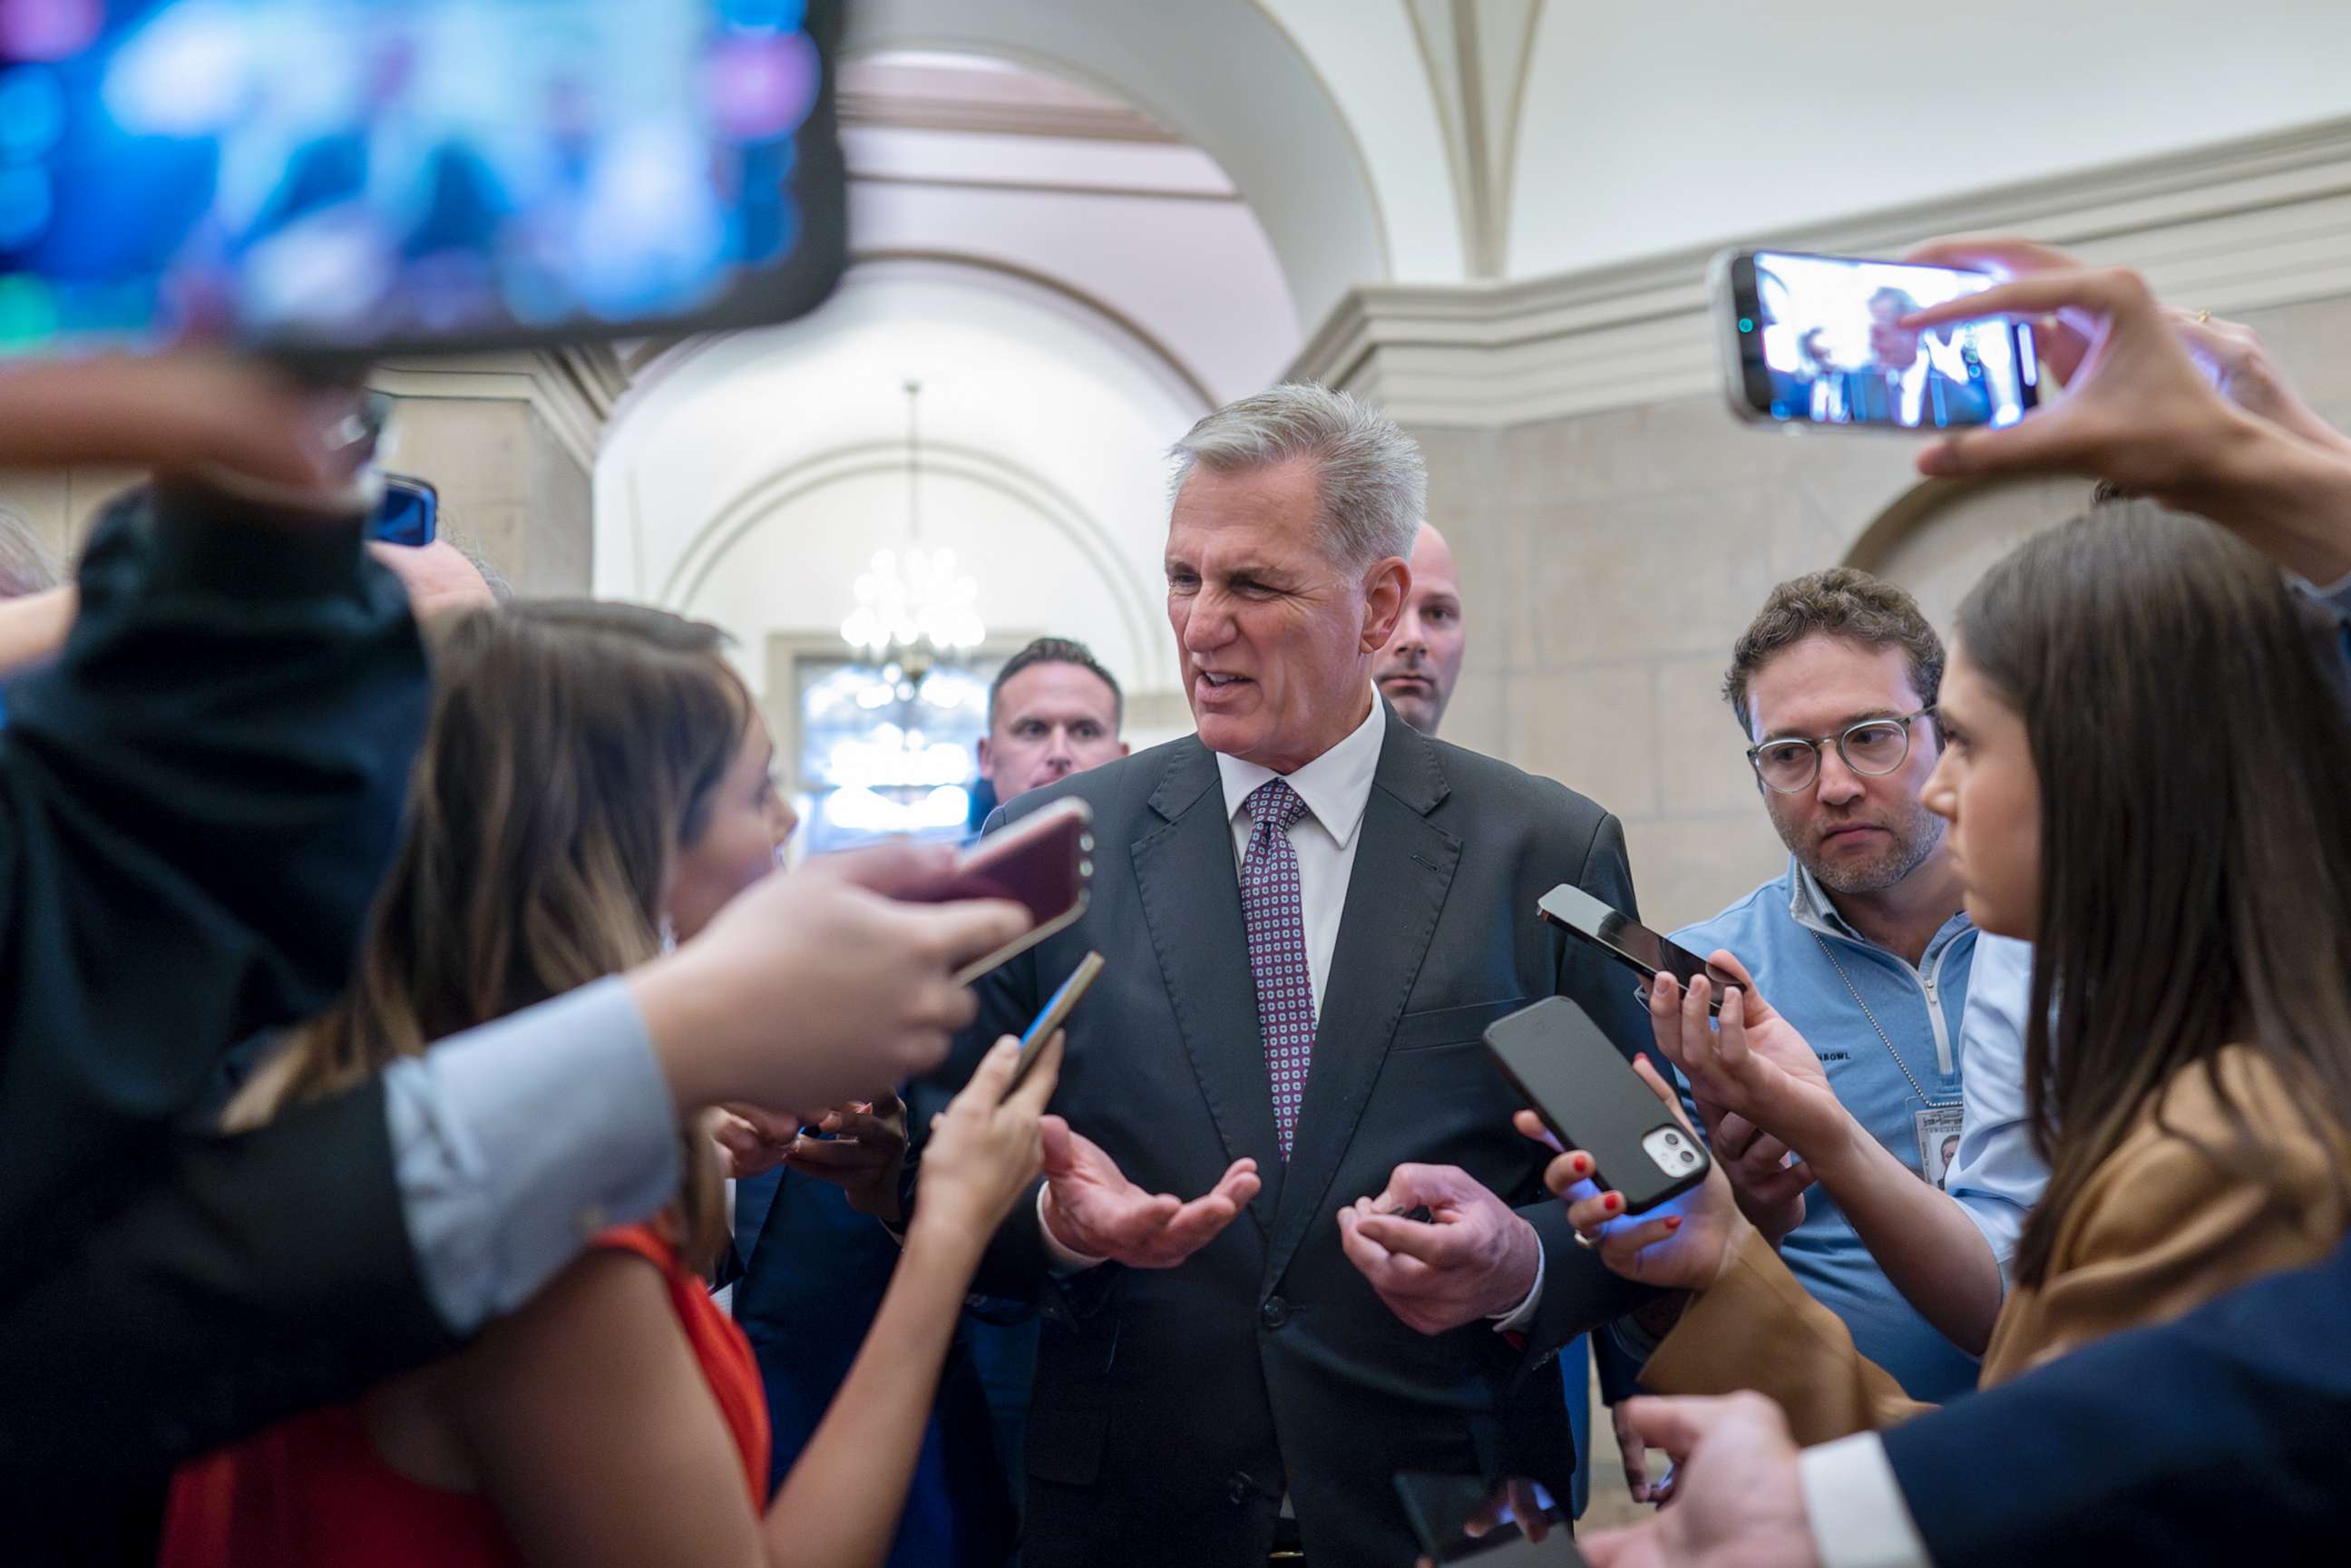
x: 1809, y: 904
x: 1336, y: 786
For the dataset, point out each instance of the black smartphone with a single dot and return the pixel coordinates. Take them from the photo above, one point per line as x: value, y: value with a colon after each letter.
x: 1574, y: 1077
x: 1461, y: 1519
x: 1818, y: 339
x: 409, y: 514
x: 1053, y: 1015
x: 328, y: 182
x: 1628, y: 941
x: 1044, y: 862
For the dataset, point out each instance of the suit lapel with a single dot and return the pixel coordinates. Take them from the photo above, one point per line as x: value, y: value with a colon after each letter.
x: 1404, y: 866
x: 1192, y: 903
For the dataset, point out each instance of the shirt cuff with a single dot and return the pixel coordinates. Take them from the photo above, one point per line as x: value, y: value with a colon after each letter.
x: 1856, y: 1507
x: 517, y: 1143
x: 1516, y: 1319
x: 1063, y: 1261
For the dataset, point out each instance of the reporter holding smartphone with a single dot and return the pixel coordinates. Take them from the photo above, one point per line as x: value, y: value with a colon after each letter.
x: 2188, y: 1057
x: 199, y: 795
x: 616, y: 1418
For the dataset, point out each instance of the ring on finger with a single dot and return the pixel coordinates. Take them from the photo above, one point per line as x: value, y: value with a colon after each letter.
x: 1589, y: 1244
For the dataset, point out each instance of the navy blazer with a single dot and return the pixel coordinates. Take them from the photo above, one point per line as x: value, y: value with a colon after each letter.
x: 2224, y: 1437
x: 1173, y: 1408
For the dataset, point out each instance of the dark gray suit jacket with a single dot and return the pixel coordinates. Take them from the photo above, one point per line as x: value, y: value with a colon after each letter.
x: 1174, y: 1407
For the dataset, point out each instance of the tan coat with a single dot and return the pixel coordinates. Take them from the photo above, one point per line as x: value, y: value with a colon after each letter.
x: 2162, y: 1227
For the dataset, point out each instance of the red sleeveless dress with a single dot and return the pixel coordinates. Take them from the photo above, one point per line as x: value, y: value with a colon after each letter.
x: 312, y: 1492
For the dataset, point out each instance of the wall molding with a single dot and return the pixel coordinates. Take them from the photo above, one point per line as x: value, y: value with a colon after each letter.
x: 573, y: 388
x: 2231, y: 226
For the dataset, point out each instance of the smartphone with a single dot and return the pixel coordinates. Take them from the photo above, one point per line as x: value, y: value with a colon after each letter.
x: 409, y: 514
x: 1442, y: 1508
x: 326, y: 183
x: 1574, y: 1077
x: 1044, y: 862
x: 1056, y: 1013
x: 1817, y: 339
x: 1628, y: 941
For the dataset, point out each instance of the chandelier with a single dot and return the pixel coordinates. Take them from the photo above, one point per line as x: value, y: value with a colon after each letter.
x: 913, y: 608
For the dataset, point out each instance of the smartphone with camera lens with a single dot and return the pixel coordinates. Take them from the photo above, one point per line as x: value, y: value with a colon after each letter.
x: 1574, y: 1077
x: 1043, y: 862
x: 1808, y: 340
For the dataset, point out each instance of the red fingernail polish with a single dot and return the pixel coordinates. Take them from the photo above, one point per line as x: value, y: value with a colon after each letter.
x: 1614, y: 1203
x: 1673, y: 1222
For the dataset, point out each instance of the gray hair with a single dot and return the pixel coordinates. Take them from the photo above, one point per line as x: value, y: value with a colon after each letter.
x: 1373, y: 484
x: 25, y: 564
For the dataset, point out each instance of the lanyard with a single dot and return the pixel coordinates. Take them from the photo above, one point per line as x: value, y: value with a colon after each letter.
x: 1830, y: 954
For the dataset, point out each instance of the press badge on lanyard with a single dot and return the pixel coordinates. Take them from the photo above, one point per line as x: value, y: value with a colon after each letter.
x: 1939, y: 1140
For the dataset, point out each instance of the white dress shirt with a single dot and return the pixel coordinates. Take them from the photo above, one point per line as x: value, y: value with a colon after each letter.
x: 1855, y: 1508
x: 1336, y: 788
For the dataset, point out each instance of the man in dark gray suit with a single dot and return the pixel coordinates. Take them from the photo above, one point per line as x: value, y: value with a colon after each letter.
x: 1311, y: 912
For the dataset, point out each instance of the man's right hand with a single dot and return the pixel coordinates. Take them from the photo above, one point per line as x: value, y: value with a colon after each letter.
x: 1092, y: 1208
x: 1739, y: 1499
x: 812, y: 986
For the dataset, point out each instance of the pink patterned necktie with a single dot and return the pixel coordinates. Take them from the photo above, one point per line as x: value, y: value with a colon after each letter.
x: 1271, y: 909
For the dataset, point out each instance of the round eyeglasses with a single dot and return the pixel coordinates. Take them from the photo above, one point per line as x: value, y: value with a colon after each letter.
x: 1873, y: 748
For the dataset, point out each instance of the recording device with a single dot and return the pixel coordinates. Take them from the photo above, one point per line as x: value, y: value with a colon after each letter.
x: 326, y: 183
x: 1044, y: 862
x: 1818, y: 339
x: 409, y: 514
x: 1574, y: 1077
x: 1628, y: 941
x: 1444, y: 1510
x: 1056, y: 1013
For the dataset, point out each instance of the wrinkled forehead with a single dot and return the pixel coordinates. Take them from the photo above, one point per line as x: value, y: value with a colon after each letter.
x: 1822, y: 684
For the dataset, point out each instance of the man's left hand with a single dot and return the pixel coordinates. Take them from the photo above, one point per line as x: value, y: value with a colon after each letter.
x: 1472, y: 1259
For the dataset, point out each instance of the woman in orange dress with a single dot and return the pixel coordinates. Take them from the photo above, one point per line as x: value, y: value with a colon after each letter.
x: 595, y: 774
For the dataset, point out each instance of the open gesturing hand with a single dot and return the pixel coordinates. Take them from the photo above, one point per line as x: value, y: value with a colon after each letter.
x: 1092, y: 1208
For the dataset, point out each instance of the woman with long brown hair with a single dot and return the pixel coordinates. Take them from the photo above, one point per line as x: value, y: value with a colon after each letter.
x: 2144, y: 771
x: 593, y: 776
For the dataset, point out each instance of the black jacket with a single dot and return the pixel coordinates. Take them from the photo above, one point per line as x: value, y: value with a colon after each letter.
x: 197, y: 800
x: 1174, y: 1407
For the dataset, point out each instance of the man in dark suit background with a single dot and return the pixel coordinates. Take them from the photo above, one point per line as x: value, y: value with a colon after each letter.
x: 1309, y: 912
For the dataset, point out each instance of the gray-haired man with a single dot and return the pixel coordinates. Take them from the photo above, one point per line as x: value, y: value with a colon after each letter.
x: 1311, y: 910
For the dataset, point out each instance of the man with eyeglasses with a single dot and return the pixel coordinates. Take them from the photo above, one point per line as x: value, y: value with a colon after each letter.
x: 1917, y: 1020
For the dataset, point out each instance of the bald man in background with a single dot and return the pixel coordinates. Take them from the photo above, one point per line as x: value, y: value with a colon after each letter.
x: 1417, y: 669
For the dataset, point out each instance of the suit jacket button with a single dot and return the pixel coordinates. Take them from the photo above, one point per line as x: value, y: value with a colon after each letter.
x: 1274, y: 1314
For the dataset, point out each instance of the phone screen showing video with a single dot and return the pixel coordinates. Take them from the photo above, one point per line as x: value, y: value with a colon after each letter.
x: 1822, y: 343
x: 329, y: 175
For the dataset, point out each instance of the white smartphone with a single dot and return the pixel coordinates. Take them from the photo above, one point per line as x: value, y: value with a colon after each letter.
x: 1819, y: 341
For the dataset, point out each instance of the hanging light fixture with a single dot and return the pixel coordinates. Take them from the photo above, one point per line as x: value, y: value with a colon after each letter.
x: 913, y: 607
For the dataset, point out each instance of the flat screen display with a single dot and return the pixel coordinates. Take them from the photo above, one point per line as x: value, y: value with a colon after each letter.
x: 1828, y: 333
